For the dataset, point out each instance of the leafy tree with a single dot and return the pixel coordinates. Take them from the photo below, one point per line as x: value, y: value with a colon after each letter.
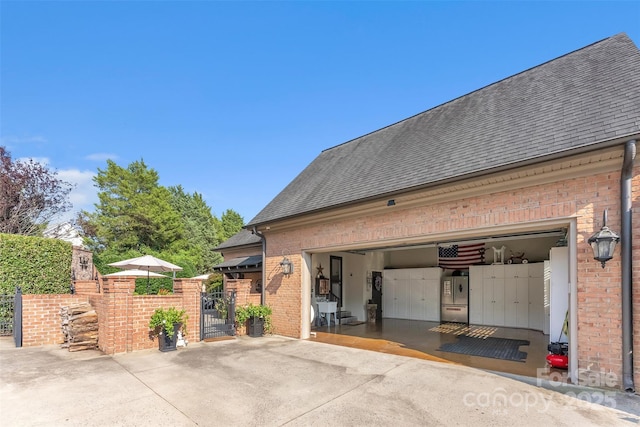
x: 200, y: 226
x: 30, y: 196
x: 231, y: 223
x: 133, y: 213
x: 136, y: 216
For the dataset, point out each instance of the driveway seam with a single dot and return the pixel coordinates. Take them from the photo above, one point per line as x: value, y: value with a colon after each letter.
x: 355, y: 387
x: 153, y: 391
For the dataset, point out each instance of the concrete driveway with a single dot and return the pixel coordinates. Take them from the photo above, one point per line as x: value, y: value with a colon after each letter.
x: 272, y: 381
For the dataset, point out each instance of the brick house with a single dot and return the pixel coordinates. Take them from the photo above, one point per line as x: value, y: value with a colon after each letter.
x: 528, y: 164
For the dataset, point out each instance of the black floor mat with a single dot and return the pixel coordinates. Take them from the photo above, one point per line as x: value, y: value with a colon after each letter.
x: 495, y: 348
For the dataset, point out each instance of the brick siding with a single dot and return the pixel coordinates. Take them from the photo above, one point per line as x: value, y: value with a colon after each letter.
x: 599, y: 293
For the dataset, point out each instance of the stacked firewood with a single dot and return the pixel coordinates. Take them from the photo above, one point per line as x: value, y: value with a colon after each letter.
x: 80, y: 327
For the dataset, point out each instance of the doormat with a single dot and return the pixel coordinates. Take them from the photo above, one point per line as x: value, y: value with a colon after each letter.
x: 354, y: 323
x: 464, y: 329
x: 495, y: 348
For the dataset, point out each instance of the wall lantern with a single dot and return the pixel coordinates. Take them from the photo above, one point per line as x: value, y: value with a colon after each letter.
x: 287, y: 266
x: 603, y: 242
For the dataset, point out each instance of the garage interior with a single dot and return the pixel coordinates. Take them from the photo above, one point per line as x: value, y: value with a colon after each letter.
x: 518, y: 302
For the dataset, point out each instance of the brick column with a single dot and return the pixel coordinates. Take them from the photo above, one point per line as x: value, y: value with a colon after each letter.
x: 190, y: 291
x: 116, y: 329
x: 84, y: 287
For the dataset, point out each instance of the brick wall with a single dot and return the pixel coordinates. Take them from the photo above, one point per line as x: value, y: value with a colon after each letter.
x: 125, y: 316
x: 122, y: 316
x: 246, y: 289
x: 585, y: 198
x: 41, y: 321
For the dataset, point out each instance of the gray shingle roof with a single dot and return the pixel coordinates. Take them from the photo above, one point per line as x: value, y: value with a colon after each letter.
x: 577, y: 100
x: 241, y: 238
x: 245, y: 262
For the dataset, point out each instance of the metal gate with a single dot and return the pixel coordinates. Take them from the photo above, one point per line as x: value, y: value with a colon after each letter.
x: 11, y: 316
x: 217, y: 314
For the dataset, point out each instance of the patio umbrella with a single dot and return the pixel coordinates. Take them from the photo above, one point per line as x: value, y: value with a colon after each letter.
x: 202, y: 277
x: 147, y: 263
x: 135, y: 273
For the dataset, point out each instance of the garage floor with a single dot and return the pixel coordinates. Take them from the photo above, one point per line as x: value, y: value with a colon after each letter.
x: 422, y: 339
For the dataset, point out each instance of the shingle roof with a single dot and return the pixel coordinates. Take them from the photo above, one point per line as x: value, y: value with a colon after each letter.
x: 241, y: 238
x: 240, y: 263
x: 580, y: 99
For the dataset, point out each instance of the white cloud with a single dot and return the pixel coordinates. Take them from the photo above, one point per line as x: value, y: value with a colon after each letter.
x: 8, y: 140
x: 98, y: 157
x: 83, y: 196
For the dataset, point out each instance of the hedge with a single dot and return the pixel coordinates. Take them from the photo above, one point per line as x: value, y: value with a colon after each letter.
x: 38, y: 265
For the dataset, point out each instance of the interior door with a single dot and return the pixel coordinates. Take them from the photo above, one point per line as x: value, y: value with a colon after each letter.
x: 335, y: 274
x: 376, y: 293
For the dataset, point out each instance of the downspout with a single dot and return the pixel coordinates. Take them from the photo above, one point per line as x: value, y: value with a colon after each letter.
x: 626, y: 264
x: 264, y: 257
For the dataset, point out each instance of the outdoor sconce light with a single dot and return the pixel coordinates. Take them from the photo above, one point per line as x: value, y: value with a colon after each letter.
x: 603, y: 242
x: 287, y: 266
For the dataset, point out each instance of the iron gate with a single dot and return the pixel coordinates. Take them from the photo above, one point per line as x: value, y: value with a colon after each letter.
x: 217, y: 314
x: 11, y: 316
x: 6, y: 315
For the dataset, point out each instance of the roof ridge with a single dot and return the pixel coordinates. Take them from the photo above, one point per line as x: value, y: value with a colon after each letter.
x: 477, y: 90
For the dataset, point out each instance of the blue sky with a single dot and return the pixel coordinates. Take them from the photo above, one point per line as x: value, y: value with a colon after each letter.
x: 233, y: 99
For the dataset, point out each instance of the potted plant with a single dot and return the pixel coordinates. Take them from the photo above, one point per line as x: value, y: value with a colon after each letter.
x: 165, y: 324
x: 259, y: 317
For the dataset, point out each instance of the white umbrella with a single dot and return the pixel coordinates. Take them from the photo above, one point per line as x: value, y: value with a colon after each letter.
x: 147, y: 263
x: 134, y: 273
x: 202, y: 277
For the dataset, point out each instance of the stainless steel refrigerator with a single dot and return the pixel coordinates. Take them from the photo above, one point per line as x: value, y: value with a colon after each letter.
x: 455, y: 299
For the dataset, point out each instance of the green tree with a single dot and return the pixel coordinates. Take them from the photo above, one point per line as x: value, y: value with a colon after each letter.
x: 201, y: 228
x: 136, y: 216
x: 133, y: 213
x: 231, y: 223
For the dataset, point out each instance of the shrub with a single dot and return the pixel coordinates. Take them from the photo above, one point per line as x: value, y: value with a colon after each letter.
x: 262, y: 311
x: 162, y: 321
x: 38, y: 265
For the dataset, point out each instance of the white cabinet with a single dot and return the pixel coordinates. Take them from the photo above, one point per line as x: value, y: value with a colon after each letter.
x: 536, y: 297
x: 393, y: 280
x: 509, y: 295
x: 412, y: 293
x: 516, y: 296
x: 425, y: 294
x: 476, y: 310
x: 493, y: 285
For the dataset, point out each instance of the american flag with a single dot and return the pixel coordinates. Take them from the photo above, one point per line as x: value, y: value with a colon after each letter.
x: 460, y: 257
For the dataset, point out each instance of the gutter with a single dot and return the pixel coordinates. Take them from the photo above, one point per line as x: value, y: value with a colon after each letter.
x: 255, y: 231
x: 626, y: 175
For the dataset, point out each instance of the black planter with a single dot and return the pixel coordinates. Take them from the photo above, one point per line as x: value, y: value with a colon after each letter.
x: 256, y: 326
x: 166, y: 343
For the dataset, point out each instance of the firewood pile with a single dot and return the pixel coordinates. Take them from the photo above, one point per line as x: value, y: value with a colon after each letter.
x: 80, y: 327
